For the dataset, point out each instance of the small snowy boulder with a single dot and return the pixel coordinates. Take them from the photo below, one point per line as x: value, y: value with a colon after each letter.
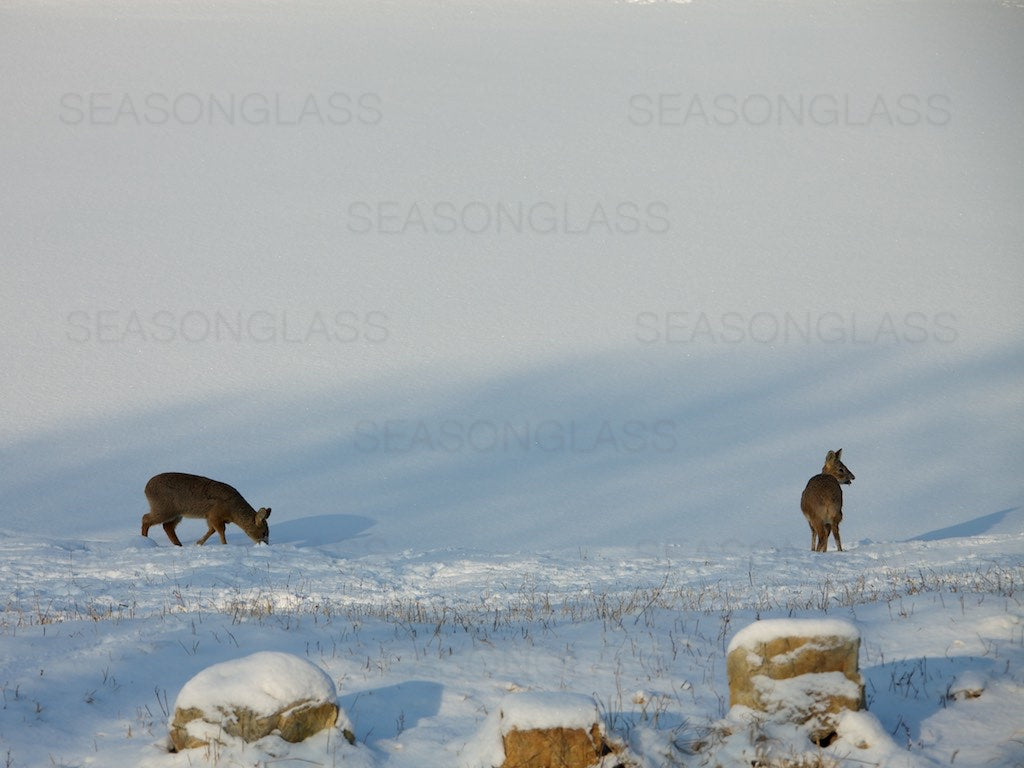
x: 803, y: 671
x: 253, y: 697
x: 552, y: 730
x: 967, y: 685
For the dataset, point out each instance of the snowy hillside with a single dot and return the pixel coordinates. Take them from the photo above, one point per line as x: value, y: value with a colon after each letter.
x: 529, y: 321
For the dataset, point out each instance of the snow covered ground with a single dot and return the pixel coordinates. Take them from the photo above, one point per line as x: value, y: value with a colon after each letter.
x: 100, y: 636
x: 529, y: 321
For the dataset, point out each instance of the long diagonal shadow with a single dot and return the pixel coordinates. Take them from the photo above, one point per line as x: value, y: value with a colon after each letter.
x: 974, y: 527
x: 757, y: 420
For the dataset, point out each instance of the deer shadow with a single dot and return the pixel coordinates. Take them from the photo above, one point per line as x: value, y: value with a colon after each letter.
x: 317, y: 530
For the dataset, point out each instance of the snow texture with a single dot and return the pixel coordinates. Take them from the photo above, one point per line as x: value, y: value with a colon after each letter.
x: 804, y: 692
x: 526, y: 711
x: 770, y: 629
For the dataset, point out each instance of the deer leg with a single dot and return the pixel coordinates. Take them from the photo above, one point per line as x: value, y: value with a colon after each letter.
x: 208, y: 534
x: 215, y: 520
x: 823, y: 537
x: 149, y: 520
x: 835, y: 535
x: 169, y: 530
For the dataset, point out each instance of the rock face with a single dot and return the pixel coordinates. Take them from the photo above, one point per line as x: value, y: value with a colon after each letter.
x: 554, y: 747
x: 254, y: 697
x: 552, y: 731
x: 798, y: 671
x: 294, y: 722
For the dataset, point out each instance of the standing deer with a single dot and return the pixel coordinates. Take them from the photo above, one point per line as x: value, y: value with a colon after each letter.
x: 822, y: 501
x: 174, y: 495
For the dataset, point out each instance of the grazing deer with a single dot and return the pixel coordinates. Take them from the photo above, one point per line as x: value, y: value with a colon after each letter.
x: 174, y: 495
x: 822, y: 501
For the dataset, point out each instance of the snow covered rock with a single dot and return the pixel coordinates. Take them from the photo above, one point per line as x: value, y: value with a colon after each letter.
x: 253, y: 697
x: 967, y: 685
x: 548, y: 730
x: 802, y: 671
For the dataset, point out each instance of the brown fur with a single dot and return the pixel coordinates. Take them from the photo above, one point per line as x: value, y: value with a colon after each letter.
x: 822, y: 501
x: 174, y: 495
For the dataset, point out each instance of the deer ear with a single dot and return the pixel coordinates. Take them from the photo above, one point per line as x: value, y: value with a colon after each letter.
x: 831, y: 455
x: 838, y: 454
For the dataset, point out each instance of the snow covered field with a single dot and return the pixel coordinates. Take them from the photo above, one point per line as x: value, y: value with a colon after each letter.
x: 99, y: 637
x: 529, y: 321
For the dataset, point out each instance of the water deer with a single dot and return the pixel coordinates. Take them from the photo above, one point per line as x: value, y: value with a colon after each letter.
x: 174, y: 495
x: 822, y: 501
